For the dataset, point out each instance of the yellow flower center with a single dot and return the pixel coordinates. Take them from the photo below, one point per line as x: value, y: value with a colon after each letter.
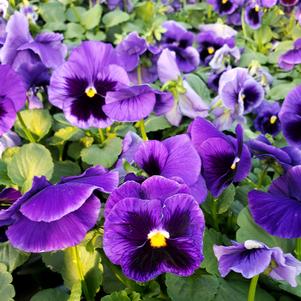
x: 157, y: 238
x: 257, y: 8
x: 210, y: 50
x: 224, y: 1
x: 273, y: 119
x: 90, y: 92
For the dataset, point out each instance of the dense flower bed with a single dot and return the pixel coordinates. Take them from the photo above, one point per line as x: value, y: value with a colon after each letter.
x: 150, y: 150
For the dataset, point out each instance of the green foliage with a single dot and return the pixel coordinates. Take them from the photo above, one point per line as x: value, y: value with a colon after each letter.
x: 32, y: 160
x: 114, y: 18
x: 50, y: 294
x: 7, y: 291
x: 105, y: 154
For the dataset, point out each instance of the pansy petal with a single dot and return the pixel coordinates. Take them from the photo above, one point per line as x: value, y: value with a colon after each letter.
x: 36, y: 237
x: 276, y: 214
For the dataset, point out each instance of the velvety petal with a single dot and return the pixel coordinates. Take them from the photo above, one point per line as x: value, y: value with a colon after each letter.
x: 129, y: 189
x: 17, y: 34
x: 244, y: 165
x: 9, y: 139
x: 174, y: 116
x: 191, y: 104
x: 199, y: 190
x: 238, y: 259
x: 183, y: 160
x: 217, y: 157
x: 56, y: 201
x: 49, y: 47
x: 151, y: 156
x: 130, y: 104
x: 157, y: 187
x: 127, y: 226
x: 200, y: 130
x: 12, y: 87
x: 68, y: 231
x: 276, y: 214
x: 96, y: 176
x: 291, y: 123
x: 7, y: 115
x: 164, y: 102
x: 9, y: 195
x: 167, y: 66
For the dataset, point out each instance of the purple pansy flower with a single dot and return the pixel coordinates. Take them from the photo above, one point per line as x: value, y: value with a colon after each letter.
x: 267, y: 121
x: 31, y: 58
x: 179, y: 40
x: 12, y: 97
x: 52, y: 217
x: 130, y: 50
x: 225, y: 7
x: 7, y: 140
x: 268, y: 3
x: 225, y: 159
x: 153, y: 228
x: 136, y: 102
x: 239, y: 91
x: 80, y: 85
x: 278, y: 211
x: 187, y: 102
x: 252, y: 258
x: 253, y: 14
x: 292, y: 57
x: 290, y: 117
x: 287, y: 156
x: 126, y: 5
x: 173, y: 157
x: 211, y: 38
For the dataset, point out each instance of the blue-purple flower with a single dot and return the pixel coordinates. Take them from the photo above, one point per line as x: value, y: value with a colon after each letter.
x: 136, y: 102
x: 278, y: 211
x: 153, y: 228
x: 287, y: 156
x: 9, y: 139
x: 225, y: 159
x: 253, y: 14
x: 267, y: 121
x: 252, y: 258
x: 213, y: 37
x: 12, y: 97
x: 292, y: 57
x: 290, y: 117
x: 52, y: 217
x: 239, y: 91
x: 225, y: 7
x: 186, y: 101
x: 179, y: 40
x: 174, y: 157
x: 31, y: 57
x: 79, y: 86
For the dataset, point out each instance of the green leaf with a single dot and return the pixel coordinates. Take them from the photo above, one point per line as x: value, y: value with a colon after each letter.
x: 76, y: 292
x: 7, y: 291
x: 74, y: 13
x: 212, y: 237
x: 4, y: 179
x: 117, y: 296
x: 249, y: 230
x: 68, y: 265
x: 225, y: 199
x: 114, y: 18
x: 156, y: 123
x: 65, y: 134
x: 281, y: 90
x: 64, y: 169
x: 210, y: 288
x: 74, y: 31
x: 105, y: 155
x: 198, y: 85
x: 37, y: 121
x: 53, y: 14
x: 50, y: 294
x: 248, y: 56
x: 32, y: 160
x: 91, y: 18
x: 11, y: 257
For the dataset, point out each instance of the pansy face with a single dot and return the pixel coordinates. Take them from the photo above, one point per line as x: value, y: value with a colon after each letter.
x: 151, y: 236
x: 253, y: 15
x: 79, y: 87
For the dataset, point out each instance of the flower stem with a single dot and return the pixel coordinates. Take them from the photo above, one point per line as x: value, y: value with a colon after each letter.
x: 76, y: 259
x: 252, y: 288
x: 243, y: 24
x: 101, y: 135
x: 25, y: 129
x: 139, y: 75
x: 298, y: 248
x: 262, y: 176
x: 142, y: 130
